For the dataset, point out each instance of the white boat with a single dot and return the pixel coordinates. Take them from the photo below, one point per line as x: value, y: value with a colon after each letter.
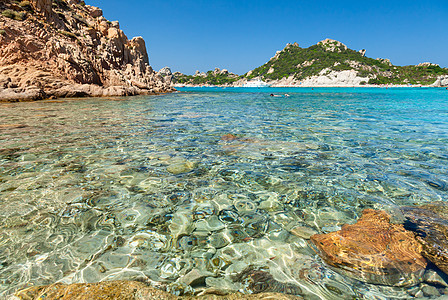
x: 256, y: 84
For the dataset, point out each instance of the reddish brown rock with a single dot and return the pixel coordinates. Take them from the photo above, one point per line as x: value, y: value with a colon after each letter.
x: 124, y: 290
x: 62, y: 46
x: 430, y: 222
x: 374, y: 250
x: 229, y: 137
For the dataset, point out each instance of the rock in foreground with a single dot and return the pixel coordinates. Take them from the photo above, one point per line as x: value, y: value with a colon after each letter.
x: 68, y: 49
x: 430, y: 222
x: 373, y: 250
x: 123, y: 290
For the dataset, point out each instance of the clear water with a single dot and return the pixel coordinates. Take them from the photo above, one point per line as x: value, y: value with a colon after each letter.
x: 153, y: 187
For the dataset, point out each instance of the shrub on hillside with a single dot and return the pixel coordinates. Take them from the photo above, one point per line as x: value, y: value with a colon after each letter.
x: 19, y: 16
x: 68, y: 34
x: 26, y: 5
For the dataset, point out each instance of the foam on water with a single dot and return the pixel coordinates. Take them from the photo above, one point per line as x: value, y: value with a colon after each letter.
x: 148, y: 188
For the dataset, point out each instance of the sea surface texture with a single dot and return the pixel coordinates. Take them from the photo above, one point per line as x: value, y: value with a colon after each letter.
x: 218, y: 181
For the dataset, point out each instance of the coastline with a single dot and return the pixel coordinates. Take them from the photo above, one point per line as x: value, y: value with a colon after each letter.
x: 31, y: 94
x: 310, y: 86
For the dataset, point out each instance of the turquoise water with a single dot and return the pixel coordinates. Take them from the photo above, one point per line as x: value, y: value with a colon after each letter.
x: 210, y: 179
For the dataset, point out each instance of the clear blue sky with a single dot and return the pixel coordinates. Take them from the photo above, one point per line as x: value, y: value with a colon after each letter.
x: 240, y: 35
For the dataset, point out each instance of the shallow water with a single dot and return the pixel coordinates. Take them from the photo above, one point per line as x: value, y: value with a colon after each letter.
x: 210, y: 179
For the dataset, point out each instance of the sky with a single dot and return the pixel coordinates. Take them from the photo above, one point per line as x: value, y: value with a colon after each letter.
x: 240, y: 35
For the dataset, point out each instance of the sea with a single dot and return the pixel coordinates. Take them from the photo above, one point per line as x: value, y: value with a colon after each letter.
x: 215, y: 182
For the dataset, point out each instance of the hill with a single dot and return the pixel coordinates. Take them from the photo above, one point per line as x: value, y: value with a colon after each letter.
x: 329, y: 62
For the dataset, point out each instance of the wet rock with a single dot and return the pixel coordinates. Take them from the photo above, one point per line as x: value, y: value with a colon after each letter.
x: 181, y: 167
x: 430, y: 291
x: 374, y: 250
x: 304, y: 232
x: 220, y: 239
x: 126, y: 290
x: 434, y: 278
x: 260, y: 281
x: 223, y: 285
x: 430, y: 222
x: 209, y: 225
x: 229, y: 137
x: 195, y: 277
x: 180, y: 225
x: 270, y: 205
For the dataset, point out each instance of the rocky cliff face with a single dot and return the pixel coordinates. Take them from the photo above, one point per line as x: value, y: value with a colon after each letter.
x: 64, y: 48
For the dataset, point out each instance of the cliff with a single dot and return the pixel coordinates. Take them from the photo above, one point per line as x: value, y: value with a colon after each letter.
x: 65, y: 48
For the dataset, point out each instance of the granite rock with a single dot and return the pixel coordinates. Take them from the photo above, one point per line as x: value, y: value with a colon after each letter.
x: 430, y: 222
x: 374, y: 250
x: 125, y: 290
x: 61, y: 45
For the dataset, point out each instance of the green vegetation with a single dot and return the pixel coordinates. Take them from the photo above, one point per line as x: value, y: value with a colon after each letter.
x: 26, y: 5
x: 304, y: 62
x: 18, y: 16
x: 2, y: 32
x: 210, y: 78
x: 322, y: 59
x: 68, y: 34
x: 62, y: 4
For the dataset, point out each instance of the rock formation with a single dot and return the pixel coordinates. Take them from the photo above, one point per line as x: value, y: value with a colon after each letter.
x: 213, y: 77
x: 374, y: 250
x: 332, y: 45
x: 430, y: 222
x: 124, y: 290
x: 441, y: 81
x: 427, y: 64
x: 68, y: 49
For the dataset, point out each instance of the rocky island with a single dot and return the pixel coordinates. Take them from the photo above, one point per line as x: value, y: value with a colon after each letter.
x: 52, y: 49
x: 328, y: 63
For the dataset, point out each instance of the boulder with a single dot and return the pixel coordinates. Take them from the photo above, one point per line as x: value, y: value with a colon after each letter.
x: 30, y: 93
x: 373, y: 250
x: 261, y: 281
x: 332, y: 45
x: 430, y: 222
x: 441, y: 81
x: 165, y: 72
x: 94, y: 12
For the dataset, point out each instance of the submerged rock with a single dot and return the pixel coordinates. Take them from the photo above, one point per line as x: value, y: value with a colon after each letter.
x: 123, y: 290
x: 430, y: 222
x: 259, y: 281
x: 373, y: 250
x: 180, y: 167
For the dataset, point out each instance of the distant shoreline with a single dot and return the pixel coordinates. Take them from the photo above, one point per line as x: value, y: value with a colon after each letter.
x: 317, y: 86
